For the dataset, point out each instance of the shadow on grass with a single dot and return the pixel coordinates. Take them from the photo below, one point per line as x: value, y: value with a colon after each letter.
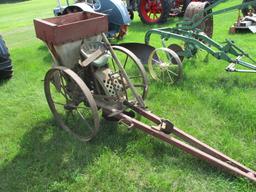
x: 48, y: 155
x: 4, y: 81
x: 48, y: 58
x: 12, y: 1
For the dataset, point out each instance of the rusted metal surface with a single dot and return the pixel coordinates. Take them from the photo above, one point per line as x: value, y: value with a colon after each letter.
x: 74, y: 103
x: 184, y: 142
x: 195, y: 8
x: 192, y: 146
x: 71, y: 27
x: 140, y: 82
x: 80, y: 88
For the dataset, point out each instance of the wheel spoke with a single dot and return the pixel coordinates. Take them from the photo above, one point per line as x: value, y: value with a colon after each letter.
x: 173, y: 73
x: 155, y: 16
x: 85, y: 121
x: 170, y: 77
x: 57, y: 103
x: 65, y: 110
x: 162, y: 65
x: 139, y: 85
x: 157, y: 61
x: 126, y: 59
x: 134, y: 70
x: 163, y: 75
x: 62, y: 84
x: 113, y: 64
x: 134, y: 77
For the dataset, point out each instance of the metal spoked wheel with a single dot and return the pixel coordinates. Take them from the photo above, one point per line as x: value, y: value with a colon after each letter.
x: 165, y: 65
x: 196, y: 7
x: 133, y: 68
x: 154, y: 11
x: 71, y: 103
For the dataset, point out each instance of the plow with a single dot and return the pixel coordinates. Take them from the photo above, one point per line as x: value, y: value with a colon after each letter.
x: 195, y: 32
x: 90, y: 77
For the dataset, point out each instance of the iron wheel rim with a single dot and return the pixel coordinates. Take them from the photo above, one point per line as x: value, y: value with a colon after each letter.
x: 164, y: 65
x: 70, y: 107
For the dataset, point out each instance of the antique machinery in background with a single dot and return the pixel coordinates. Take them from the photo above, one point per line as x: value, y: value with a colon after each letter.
x: 195, y: 31
x: 89, y: 76
x: 118, y: 15
x: 158, y: 11
x: 247, y: 22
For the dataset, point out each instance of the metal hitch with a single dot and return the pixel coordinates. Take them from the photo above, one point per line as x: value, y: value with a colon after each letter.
x: 165, y: 131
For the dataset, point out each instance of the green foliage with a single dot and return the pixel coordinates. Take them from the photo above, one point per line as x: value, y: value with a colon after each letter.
x: 35, y: 155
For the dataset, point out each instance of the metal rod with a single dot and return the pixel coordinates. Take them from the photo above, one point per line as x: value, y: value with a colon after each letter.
x: 242, y: 71
x: 209, y: 150
x: 190, y: 139
x: 59, y: 3
x: 245, y: 64
x: 218, y: 160
x: 135, y: 94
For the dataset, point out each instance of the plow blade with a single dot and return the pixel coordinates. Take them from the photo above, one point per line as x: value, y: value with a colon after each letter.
x: 142, y: 51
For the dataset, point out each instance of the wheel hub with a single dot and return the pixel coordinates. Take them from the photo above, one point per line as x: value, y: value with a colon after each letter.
x: 69, y: 106
x: 153, y: 6
x: 164, y: 66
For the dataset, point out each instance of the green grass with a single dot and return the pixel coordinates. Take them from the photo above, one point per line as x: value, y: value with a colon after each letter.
x: 35, y: 155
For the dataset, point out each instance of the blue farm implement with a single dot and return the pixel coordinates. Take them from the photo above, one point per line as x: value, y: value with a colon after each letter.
x: 118, y: 15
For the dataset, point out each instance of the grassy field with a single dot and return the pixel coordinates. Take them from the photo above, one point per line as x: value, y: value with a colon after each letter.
x: 217, y: 107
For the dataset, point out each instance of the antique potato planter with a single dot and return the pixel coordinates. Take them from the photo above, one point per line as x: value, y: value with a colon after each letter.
x: 89, y: 76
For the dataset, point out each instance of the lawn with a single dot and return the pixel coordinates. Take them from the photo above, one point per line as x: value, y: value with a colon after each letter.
x: 217, y: 107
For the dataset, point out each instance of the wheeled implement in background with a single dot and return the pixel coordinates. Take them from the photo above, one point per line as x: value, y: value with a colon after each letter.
x: 195, y: 32
x: 89, y: 75
x: 119, y: 18
x: 247, y: 22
